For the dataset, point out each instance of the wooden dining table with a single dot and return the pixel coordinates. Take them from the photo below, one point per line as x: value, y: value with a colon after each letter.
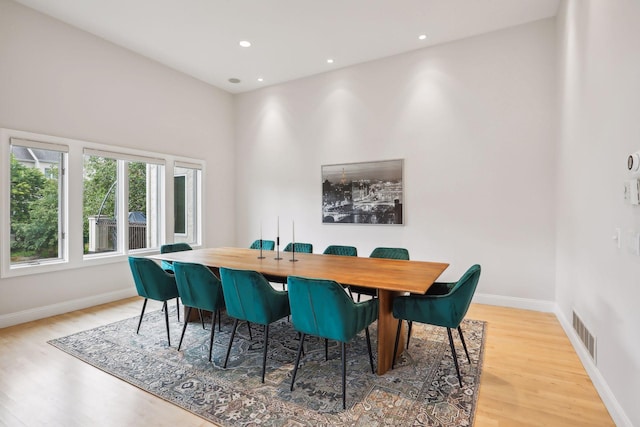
x: 388, y: 276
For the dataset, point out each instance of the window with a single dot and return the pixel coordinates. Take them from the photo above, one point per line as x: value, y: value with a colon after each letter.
x: 186, y: 202
x: 104, y: 196
x: 37, y: 210
x: 66, y: 203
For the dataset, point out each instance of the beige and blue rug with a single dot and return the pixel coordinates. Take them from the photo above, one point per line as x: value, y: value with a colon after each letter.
x: 422, y: 390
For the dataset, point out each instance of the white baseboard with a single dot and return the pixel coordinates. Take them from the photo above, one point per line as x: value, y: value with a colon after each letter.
x: 63, y: 307
x: 515, y: 302
x: 616, y: 411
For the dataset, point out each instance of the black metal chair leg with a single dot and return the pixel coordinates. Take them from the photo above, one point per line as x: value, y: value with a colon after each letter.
x: 395, y: 347
x: 344, y: 375
x: 178, y: 309
x: 455, y: 356
x: 219, y: 320
x: 264, y: 351
x: 366, y: 330
x: 144, y: 305
x: 295, y: 367
x: 233, y: 334
x: 249, y: 327
x: 184, y: 328
x: 326, y: 349
x: 409, y: 333
x: 166, y: 321
x: 213, y: 330
x: 464, y: 344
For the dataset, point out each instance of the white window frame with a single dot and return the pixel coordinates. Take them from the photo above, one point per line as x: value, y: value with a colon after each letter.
x: 72, y: 201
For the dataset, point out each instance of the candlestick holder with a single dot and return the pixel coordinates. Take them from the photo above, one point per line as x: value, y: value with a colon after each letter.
x: 261, y: 256
x: 293, y: 253
x: 278, y: 258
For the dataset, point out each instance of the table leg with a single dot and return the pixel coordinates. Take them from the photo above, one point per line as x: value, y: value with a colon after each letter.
x: 387, y: 327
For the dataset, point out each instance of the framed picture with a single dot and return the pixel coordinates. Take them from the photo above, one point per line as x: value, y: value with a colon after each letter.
x: 363, y: 193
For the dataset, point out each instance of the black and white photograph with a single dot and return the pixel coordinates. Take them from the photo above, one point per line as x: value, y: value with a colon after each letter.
x: 363, y: 193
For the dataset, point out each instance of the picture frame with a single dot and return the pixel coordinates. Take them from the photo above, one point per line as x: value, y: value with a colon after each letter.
x: 363, y: 193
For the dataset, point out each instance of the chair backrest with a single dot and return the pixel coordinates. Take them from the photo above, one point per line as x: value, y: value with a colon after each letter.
x: 175, y: 247
x: 198, y: 286
x: 306, y: 248
x: 151, y: 280
x: 390, y: 253
x: 267, y: 245
x: 341, y: 250
x: 462, y: 293
x: 249, y: 296
x: 172, y: 247
x: 322, y: 308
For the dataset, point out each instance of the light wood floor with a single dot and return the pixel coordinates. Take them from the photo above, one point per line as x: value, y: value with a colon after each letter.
x: 531, y: 376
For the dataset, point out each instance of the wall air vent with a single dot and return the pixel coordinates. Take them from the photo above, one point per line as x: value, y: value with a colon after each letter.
x: 587, y: 338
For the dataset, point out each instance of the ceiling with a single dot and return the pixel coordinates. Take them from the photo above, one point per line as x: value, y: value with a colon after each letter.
x: 290, y: 38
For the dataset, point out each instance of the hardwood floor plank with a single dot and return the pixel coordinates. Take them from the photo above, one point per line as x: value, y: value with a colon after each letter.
x: 531, y: 376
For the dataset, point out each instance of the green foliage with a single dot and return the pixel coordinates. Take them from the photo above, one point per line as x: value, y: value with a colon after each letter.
x: 26, y: 186
x: 34, y: 211
x: 100, y: 190
x: 40, y: 235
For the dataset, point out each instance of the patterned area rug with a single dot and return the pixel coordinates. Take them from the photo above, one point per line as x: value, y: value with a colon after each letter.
x: 422, y: 389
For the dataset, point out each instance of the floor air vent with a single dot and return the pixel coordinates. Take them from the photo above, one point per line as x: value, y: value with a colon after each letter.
x: 585, y: 335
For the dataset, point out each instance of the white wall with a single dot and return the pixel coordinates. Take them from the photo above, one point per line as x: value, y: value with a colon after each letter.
x: 599, y: 90
x: 57, y: 80
x: 474, y: 121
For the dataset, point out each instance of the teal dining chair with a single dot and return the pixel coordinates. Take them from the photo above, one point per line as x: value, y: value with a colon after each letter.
x: 446, y: 310
x: 304, y: 248
x: 341, y: 250
x: 267, y: 245
x: 172, y: 247
x: 152, y: 282
x: 249, y: 296
x: 199, y: 288
x: 321, y: 308
x: 381, y: 252
x: 168, y: 265
x: 390, y: 253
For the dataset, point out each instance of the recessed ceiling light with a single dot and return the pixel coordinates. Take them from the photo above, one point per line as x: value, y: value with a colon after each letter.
x: 245, y: 43
x: 234, y: 80
x: 329, y: 61
x: 260, y: 79
x: 422, y: 37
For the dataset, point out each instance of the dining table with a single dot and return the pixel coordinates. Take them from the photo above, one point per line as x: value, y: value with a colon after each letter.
x: 389, y: 277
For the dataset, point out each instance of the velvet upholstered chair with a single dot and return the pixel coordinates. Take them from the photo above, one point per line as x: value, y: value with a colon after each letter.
x: 446, y: 309
x: 305, y: 248
x: 152, y: 282
x: 321, y: 308
x: 249, y: 296
x: 172, y: 247
x: 199, y: 288
x: 267, y: 245
x: 341, y: 250
x: 168, y: 265
x: 381, y: 252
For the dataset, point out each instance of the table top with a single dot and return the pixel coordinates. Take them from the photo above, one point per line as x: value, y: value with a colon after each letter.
x: 378, y: 273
